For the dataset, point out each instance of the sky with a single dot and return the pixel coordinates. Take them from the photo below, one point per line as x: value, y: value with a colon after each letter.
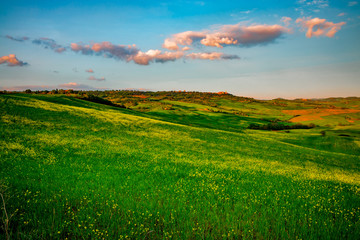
x: 263, y: 49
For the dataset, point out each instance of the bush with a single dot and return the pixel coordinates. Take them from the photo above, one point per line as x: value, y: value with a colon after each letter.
x: 93, y: 98
x: 279, y: 126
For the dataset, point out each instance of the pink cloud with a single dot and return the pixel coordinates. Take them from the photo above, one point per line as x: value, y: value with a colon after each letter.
x: 11, y: 61
x: 132, y: 53
x: 89, y: 70
x: 236, y: 35
x: 73, y: 85
x: 22, y: 39
x: 286, y: 20
x: 143, y: 58
x: 319, y: 27
x: 96, y: 79
x: 78, y: 47
x: 184, y: 38
x: 170, y: 44
x: 341, y: 14
x: 49, y: 43
x: 126, y: 53
x: 211, y: 56
x: 106, y: 49
x: 217, y: 40
x: 75, y: 47
x: 60, y: 50
x: 243, y: 35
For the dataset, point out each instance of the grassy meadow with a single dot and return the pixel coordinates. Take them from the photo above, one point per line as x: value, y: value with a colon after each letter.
x: 178, y: 166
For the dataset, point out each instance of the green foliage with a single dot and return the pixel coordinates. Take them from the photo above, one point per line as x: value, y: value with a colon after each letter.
x: 77, y: 169
x: 280, y: 126
x: 96, y: 99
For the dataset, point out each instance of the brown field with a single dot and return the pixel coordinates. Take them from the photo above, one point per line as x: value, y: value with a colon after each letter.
x: 315, y: 114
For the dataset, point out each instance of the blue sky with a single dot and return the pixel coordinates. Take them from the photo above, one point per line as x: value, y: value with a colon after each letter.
x: 262, y: 49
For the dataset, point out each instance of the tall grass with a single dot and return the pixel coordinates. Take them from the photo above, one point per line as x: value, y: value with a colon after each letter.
x: 80, y: 170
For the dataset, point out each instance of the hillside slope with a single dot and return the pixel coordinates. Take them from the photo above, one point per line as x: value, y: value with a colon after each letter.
x: 76, y: 169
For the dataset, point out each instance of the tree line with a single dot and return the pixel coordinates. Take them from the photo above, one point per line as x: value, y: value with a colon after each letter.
x: 280, y: 126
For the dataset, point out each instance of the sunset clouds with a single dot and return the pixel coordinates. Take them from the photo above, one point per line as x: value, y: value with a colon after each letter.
x: 18, y: 39
x: 286, y: 20
x: 49, y: 44
x: 184, y: 38
x: 181, y: 45
x: 228, y: 35
x: 131, y: 53
x: 11, y: 61
x: 144, y: 58
x: 319, y: 27
x: 74, y: 85
x: 106, y: 49
x: 252, y: 48
x: 92, y: 78
x: 126, y: 53
x: 211, y: 56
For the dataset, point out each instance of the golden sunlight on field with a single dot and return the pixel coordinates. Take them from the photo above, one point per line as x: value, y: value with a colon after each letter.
x: 315, y: 114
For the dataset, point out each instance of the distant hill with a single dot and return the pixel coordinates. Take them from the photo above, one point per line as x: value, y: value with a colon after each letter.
x: 222, y: 107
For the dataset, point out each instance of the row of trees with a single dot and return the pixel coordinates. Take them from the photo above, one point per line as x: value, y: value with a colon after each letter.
x: 135, y: 97
x: 96, y: 99
x: 171, y: 95
x: 280, y: 126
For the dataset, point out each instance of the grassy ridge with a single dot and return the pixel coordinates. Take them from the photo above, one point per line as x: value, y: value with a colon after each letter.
x: 76, y: 169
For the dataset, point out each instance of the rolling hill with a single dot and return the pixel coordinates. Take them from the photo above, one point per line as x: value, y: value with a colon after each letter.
x: 169, y: 165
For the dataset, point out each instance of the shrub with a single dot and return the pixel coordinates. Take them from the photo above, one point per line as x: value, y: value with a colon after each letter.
x: 279, y: 126
x: 96, y: 99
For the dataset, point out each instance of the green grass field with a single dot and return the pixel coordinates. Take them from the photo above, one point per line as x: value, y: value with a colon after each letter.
x: 74, y: 169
